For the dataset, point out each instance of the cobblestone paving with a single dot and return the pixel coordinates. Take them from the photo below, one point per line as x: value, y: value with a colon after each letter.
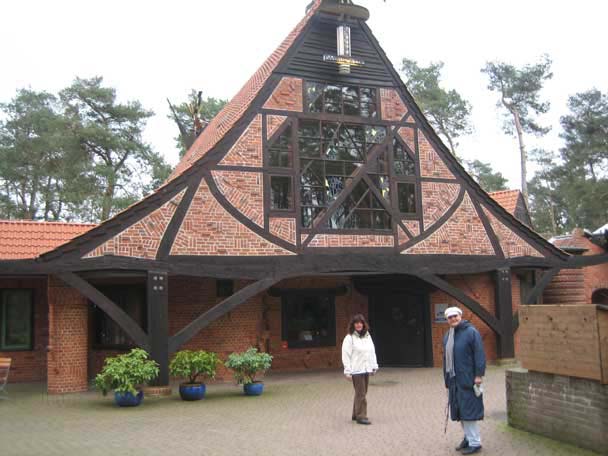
x: 299, y: 414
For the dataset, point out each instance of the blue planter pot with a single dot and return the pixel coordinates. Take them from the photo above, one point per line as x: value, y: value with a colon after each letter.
x: 128, y: 399
x: 253, y: 389
x: 192, y: 392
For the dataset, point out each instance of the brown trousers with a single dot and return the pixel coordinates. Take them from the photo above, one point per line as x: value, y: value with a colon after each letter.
x: 360, y: 383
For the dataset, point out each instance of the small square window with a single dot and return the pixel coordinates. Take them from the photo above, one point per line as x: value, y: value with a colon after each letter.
x: 224, y: 288
x: 281, y: 194
x: 406, y: 194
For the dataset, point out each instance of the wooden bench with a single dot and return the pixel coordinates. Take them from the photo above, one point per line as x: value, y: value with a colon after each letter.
x: 5, y: 366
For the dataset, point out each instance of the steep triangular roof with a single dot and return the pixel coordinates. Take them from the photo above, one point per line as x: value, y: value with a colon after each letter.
x: 216, y: 204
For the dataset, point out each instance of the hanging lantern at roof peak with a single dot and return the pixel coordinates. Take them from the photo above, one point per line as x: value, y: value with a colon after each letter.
x: 347, y: 12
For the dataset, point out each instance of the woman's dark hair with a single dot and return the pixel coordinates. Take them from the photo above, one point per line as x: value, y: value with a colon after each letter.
x: 356, y: 319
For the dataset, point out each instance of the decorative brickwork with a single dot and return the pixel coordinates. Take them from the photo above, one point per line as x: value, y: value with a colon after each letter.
x: 340, y: 240
x: 413, y: 226
x: 287, y: 96
x: 408, y: 136
x: 245, y: 191
x: 68, y: 339
x: 284, y: 228
x: 30, y: 365
x: 142, y: 239
x: 431, y: 164
x: 462, y: 234
x: 512, y: 245
x: 273, y: 123
x: 437, y: 199
x: 392, y: 106
x: 208, y: 229
x: 247, y: 150
x: 402, y: 235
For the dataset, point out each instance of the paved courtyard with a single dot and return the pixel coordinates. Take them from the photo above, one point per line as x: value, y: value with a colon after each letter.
x: 299, y: 414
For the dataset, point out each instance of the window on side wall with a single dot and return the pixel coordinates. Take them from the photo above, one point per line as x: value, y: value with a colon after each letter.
x: 309, y: 320
x: 131, y: 299
x: 16, y: 322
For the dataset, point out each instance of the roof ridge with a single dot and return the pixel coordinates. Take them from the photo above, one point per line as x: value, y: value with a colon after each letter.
x: 43, y: 222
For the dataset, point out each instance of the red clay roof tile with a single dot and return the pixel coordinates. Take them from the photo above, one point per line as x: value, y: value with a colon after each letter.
x: 507, y: 199
x: 20, y: 239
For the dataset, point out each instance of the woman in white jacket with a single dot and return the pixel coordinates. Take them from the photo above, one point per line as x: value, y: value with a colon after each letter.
x: 359, y: 359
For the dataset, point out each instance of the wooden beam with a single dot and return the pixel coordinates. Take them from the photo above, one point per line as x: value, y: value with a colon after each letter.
x: 119, y: 316
x: 537, y: 291
x: 238, y: 298
x: 157, y: 296
x: 505, y: 341
x: 469, y: 302
x: 579, y: 261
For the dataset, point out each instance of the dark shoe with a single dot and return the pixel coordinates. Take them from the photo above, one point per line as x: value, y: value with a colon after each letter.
x: 364, y: 421
x: 471, y: 450
x: 464, y: 444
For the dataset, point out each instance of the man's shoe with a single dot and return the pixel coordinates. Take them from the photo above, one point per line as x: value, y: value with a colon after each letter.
x: 464, y: 444
x: 363, y: 421
x: 471, y: 450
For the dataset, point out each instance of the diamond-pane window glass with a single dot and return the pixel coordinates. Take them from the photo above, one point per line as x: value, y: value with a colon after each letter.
x: 16, y: 308
x: 333, y: 99
x: 375, y: 135
x: 403, y: 163
x: 351, y: 100
x: 314, y: 96
x: 281, y: 150
x: 406, y: 194
x: 281, y: 195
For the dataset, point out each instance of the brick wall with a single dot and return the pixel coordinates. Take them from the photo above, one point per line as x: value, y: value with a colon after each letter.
x: 563, y: 408
x: 287, y: 96
x: 68, y: 339
x: 30, y: 365
x: 392, y: 107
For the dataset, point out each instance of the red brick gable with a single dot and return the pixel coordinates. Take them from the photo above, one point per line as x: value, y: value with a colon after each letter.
x: 20, y: 239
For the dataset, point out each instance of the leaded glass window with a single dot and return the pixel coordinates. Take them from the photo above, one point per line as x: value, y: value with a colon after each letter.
x: 341, y: 99
x: 402, y: 162
x: 280, y: 151
x: 281, y: 194
x: 406, y: 195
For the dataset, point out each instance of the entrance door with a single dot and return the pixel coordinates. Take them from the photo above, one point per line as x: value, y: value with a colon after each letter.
x: 398, y: 328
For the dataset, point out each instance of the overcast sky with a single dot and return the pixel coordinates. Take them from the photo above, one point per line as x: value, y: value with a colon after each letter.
x: 153, y: 50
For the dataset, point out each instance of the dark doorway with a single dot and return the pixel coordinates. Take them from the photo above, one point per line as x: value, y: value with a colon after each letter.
x: 399, y: 324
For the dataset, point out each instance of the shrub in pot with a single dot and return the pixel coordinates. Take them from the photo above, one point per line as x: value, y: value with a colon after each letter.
x: 246, y: 366
x: 193, y: 365
x: 124, y: 374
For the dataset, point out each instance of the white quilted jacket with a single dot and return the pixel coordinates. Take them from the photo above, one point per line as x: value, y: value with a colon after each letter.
x: 358, y: 354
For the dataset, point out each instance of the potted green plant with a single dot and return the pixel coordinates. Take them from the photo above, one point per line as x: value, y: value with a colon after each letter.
x: 124, y: 374
x: 246, y: 366
x: 192, y: 365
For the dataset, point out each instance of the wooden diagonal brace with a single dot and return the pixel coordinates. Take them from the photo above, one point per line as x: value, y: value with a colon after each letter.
x: 119, y: 316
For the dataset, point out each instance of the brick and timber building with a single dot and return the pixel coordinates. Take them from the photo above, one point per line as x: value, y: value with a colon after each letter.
x: 318, y: 192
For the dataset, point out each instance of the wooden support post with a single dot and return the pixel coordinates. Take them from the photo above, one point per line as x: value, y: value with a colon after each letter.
x: 157, y: 293
x: 505, y: 342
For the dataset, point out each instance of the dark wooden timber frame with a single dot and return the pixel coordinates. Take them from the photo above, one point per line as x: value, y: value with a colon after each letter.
x: 67, y: 261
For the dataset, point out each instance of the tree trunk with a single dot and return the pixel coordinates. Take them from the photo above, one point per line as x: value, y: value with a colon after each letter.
x: 523, y: 155
x: 108, y: 199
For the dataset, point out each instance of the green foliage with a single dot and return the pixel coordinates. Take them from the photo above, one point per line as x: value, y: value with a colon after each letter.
x: 42, y: 172
x: 109, y: 133
x: 519, y: 91
x: 124, y: 372
x: 485, y: 176
x: 193, y: 116
x: 193, y: 364
x: 447, y: 111
x: 247, y: 364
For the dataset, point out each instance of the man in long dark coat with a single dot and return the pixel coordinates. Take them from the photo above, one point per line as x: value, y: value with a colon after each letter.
x: 464, y: 365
